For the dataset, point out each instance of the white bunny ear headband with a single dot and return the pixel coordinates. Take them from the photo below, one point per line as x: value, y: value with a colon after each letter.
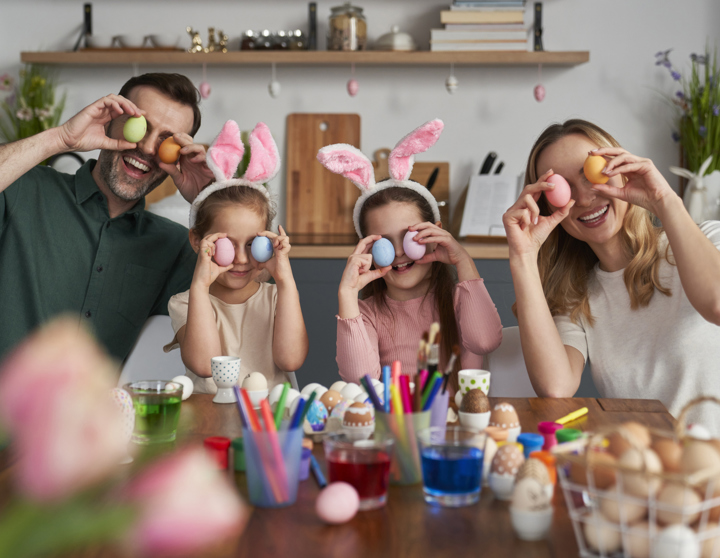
x: 225, y: 154
x: 350, y: 162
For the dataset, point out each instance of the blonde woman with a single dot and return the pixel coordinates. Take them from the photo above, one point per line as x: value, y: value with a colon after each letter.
x: 640, y: 301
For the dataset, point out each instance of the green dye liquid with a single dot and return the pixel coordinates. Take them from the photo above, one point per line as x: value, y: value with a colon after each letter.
x: 156, y: 418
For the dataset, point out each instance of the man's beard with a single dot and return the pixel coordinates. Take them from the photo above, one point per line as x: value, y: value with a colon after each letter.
x: 132, y: 189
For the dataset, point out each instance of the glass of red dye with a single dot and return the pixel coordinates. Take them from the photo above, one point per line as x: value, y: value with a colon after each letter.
x: 365, y: 464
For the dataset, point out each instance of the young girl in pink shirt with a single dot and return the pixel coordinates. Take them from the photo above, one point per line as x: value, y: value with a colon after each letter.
x: 400, y: 301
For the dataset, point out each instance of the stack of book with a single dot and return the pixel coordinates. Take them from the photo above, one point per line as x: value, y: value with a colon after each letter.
x: 482, y: 25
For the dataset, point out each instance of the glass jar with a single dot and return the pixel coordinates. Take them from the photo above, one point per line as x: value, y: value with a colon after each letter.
x: 297, y: 40
x: 248, y: 40
x: 347, y: 29
x: 265, y: 40
x: 281, y: 41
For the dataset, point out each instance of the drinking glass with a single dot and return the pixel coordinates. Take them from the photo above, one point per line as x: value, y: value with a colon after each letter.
x: 157, y: 410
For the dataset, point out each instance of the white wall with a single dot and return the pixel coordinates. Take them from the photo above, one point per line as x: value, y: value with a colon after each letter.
x: 620, y: 88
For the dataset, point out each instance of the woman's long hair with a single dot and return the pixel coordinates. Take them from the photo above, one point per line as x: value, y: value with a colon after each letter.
x: 442, y: 276
x: 566, y: 263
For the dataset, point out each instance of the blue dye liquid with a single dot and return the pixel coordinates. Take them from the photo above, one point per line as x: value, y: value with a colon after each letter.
x: 449, y: 470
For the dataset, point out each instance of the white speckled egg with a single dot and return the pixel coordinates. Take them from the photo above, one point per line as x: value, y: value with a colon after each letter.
x: 224, y: 251
x: 187, y: 385
x: 254, y: 381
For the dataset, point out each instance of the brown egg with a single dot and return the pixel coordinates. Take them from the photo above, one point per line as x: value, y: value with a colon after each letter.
x: 669, y: 452
x: 475, y: 401
x: 698, y: 456
x: 641, y: 485
x: 601, y: 535
x: 330, y: 398
x: 507, y: 460
x: 679, y: 497
x: 615, y: 506
x: 535, y: 469
x: 504, y: 416
x: 602, y: 466
x: 358, y: 414
x: 169, y: 151
x: 628, y: 434
x: 638, y: 540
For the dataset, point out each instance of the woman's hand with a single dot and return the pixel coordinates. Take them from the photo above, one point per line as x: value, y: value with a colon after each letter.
x: 645, y: 186
x: 206, y: 270
x: 279, y: 264
x: 358, y: 272
x: 526, y: 229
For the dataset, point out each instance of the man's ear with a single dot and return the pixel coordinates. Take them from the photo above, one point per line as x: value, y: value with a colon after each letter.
x: 194, y: 240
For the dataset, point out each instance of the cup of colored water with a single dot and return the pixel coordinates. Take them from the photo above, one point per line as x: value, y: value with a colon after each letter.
x: 272, y: 466
x: 365, y: 464
x: 405, y: 461
x: 157, y: 410
x: 452, y: 460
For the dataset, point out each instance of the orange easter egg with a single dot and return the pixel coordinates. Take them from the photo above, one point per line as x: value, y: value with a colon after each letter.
x: 169, y: 151
x: 593, y: 167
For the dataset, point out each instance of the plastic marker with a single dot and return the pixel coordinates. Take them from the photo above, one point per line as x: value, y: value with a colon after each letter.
x: 573, y: 416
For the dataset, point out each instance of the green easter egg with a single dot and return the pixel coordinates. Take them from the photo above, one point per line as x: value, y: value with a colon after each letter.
x: 135, y: 128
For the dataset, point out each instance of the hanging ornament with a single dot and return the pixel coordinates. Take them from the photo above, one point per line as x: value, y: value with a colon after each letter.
x: 352, y: 85
x: 274, y: 86
x: 539, y: 90
x: 204, y: 85
x: 451, y: 83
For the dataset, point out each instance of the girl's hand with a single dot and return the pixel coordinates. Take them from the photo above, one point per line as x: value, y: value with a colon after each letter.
x: 358, y: 272
x: 279, y: 264
x: 526, y: 229
x: 448, y: 250
x: 206, y: 270
x: 645, y: 187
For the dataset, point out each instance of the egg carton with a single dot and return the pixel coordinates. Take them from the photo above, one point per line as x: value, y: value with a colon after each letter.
x: 618, y: 510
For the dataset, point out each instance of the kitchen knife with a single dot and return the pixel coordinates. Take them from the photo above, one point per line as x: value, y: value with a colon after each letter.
x: 488, y: 163
x: 433, y: 178
x: 499, y: 167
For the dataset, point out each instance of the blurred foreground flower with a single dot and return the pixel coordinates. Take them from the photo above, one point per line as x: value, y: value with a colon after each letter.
x: 55, y: 403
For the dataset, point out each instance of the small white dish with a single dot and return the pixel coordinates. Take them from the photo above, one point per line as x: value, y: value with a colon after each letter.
x: 476, y: 421
x: 531, y: 525
x: 395, y: 41
x: 501, y: 485
x: 99, y: 41
x: 164, y: 40
x: 131, y: 40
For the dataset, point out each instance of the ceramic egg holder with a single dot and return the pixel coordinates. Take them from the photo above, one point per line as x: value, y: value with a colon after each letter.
x: 225, y: 374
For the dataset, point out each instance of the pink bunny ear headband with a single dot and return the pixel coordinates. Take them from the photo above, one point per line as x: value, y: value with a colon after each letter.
x: 225, y: 154
x: 350, y: 162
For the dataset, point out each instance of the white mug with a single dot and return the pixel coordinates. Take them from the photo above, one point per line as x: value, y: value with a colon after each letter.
x: 225, y: 374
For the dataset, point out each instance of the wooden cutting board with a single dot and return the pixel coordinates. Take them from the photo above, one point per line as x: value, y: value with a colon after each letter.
x: 421, y: 173
x: 319, y: 203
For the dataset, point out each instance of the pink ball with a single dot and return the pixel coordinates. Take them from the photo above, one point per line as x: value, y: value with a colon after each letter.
x: 560, y: 196
x: 353, y: 87
x: 224, y: 252
x: 539, y: 93
x: 337, y: 503
x: 413, y: 249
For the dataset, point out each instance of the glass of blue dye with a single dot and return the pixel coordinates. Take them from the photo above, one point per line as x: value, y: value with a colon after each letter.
x: 452, y: 460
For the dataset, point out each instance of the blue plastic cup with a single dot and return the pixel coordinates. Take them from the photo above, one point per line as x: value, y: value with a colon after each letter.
x: 530, y: 442
x: 272, y: 464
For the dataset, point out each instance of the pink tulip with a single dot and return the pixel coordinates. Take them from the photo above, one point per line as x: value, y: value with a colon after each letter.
x: 55, y: 403
x: 186, y: 504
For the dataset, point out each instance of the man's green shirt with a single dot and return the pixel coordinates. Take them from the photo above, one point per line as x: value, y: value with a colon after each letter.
x: 60, y: 252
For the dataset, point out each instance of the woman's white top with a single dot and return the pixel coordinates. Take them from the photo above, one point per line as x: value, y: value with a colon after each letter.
x: 664, y: 351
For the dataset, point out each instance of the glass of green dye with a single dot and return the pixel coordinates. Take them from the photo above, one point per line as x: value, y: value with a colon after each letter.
x: 157, y: 409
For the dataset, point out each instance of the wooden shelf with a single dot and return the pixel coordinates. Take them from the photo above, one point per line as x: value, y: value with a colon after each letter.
x: 107, y: 57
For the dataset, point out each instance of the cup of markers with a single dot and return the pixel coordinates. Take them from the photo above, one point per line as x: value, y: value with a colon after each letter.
x: 273, y: 450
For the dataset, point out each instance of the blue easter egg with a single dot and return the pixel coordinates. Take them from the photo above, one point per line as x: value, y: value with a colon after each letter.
x: 261, y: 249
x: 317, y: 416
x: 383, y: 252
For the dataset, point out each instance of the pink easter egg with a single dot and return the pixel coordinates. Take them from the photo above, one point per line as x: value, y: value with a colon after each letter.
x: 353, y: 87
x: 224, y: 251
x: 413, y: 249
x: 337, y: 503
x: 204, y: 89
x: 560, y: 196
x: 539, y: 93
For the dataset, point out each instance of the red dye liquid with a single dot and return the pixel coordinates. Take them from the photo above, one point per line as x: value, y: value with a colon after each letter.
x: 368, y: 472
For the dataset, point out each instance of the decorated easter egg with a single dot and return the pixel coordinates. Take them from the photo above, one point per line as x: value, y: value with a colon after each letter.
x: 503, y: 415
x: 169, y: 151
x: 135, y: 128
x: 560, y: 195
x: 330, y: 398
x: 539, y: 93
x: 357, y: 415
x: 353, y: 87
x: 383, y: 252
x: 317, y: 416
x: 205, y: 89
x: 261, y: 249
x: 593, y: 167
x: 529, y: 495
x: 507, y: 460
x: 224, y: 251
x: 337, y: 503
x: 124, y: 402
x: 187, y: 385
x: 338, y: 411
x: 475, y: 401
x: 413, y: 249
x: 254, y: 381
x: 535, y: 469
x: 274, y: 88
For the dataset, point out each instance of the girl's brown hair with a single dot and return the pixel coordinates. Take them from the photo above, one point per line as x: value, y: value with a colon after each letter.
x: 566, y: 263
x: 243, y: 195
x: 442, y: 276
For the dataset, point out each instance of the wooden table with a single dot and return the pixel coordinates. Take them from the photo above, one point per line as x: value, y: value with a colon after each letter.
x: 407, y: 526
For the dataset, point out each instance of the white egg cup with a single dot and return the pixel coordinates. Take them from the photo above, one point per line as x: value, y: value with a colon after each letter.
x: 357, y: 433
x: 531, y: 525
x: 256, y: 396
x: 501, y: 485
x: 225, y: 374
x: 474, y: 379
x: 476, y: 421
